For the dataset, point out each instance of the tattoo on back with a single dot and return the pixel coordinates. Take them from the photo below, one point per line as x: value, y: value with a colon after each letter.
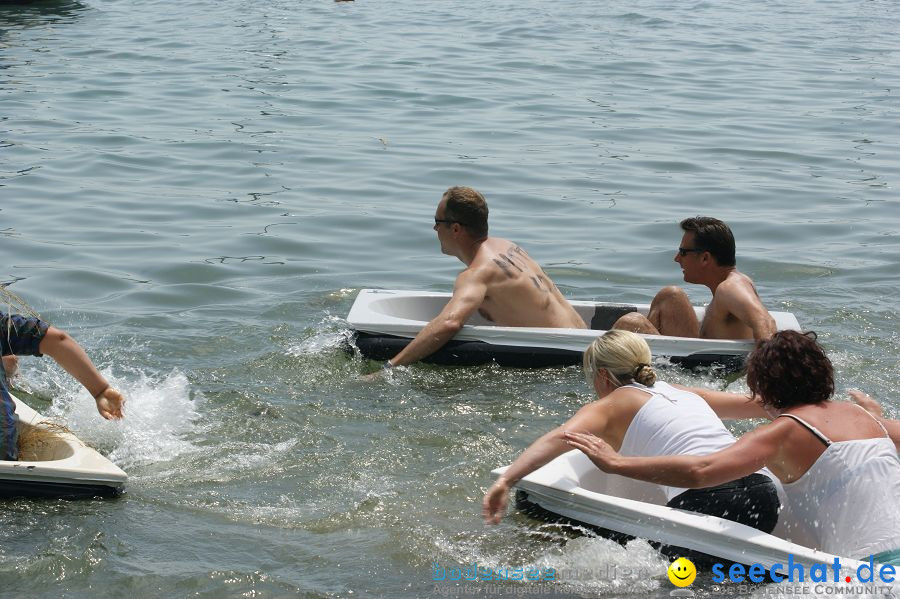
x: 508, y: 259
x: 541, y: 283
x: 503, y: 266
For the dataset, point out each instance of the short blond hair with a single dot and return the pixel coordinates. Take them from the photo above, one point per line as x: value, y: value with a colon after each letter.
x: 625, y: 355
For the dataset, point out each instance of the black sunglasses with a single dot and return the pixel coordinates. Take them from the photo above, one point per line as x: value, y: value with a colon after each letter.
x: 685, y: 251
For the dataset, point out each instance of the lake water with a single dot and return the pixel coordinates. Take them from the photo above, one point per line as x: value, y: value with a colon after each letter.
x: 197, y: 190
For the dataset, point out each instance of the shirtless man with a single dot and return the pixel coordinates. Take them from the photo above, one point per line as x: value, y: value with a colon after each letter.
x: 706, y: 256
x: 500, y: 281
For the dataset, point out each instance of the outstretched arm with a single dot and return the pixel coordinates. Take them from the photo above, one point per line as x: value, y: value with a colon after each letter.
x: 541, y: 452
x: 468, y: 295
x: 61, y: 347
x: 729, y: 406
x: 591, y: 418
x: 750, y: 453
x: 874, y: 408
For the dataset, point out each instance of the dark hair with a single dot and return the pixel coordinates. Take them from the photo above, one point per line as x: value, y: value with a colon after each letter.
x: 790, y: 369
x: 468, y: 208
x: 712, y: 235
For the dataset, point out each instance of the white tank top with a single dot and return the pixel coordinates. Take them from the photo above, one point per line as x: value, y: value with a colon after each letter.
x: 849, y: 496
x: 675, y: 422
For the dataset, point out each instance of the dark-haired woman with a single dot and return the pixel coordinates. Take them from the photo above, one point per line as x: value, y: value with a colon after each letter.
x: 838, y: 461
x: 643, y: 416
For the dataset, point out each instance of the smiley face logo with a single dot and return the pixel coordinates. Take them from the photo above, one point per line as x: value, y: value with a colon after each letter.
x: 682, y: 572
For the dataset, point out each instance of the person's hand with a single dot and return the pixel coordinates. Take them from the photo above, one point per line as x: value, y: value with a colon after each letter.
x: 11, y: 365
x: 493, y: 507
x: 595, y: 448
x: 382, y: 372
x: 870, y: 405
x: 110, y: 403
x: 372, y: 376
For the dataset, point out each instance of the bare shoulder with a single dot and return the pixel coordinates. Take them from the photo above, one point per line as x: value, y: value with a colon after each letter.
x: 737, y: 288
x: 628, y: 399
x: 739, y: 311
x: 504, y: 245
x: 738, y: 281
x: 477, y: 273
x: 616, y: 410
x: 780, y: 427
x: 778, y: 435
x: 497, y: 247
x: 781, y: 436
x: 623, y: 399
x: 498, y: 256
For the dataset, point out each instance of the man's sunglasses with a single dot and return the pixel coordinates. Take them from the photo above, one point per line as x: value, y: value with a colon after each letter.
x: 438, y: 221
x: 685, y: 251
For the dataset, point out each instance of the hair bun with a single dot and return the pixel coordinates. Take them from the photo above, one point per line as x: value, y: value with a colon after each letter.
x: 644, y: 375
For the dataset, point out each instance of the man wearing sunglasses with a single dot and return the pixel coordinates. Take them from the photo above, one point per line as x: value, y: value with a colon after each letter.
x: 500, y: 281
x: 707, y: 257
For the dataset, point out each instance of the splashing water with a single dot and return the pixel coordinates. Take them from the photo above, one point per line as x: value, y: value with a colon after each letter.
x: 331, y: 335
x: 594, y: 565
x: 158, y: 414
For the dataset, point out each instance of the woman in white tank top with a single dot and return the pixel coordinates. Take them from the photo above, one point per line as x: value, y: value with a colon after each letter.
x: 642, y: 416
x: 838, y: 462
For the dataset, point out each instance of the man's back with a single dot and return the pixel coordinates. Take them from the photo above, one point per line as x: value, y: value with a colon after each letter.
x: 519, y: 292
x: 500, y: 281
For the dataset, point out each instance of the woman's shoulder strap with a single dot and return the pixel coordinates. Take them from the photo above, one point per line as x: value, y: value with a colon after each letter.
x: 809, y: 427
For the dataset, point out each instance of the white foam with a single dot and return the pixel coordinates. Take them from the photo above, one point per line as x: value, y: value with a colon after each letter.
x: 331, y: 334
x: 586, y: 565
x: 159, y: 411
x: 594, y: 565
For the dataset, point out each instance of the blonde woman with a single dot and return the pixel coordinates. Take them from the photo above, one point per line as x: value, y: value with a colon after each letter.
x: 638, y: 415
